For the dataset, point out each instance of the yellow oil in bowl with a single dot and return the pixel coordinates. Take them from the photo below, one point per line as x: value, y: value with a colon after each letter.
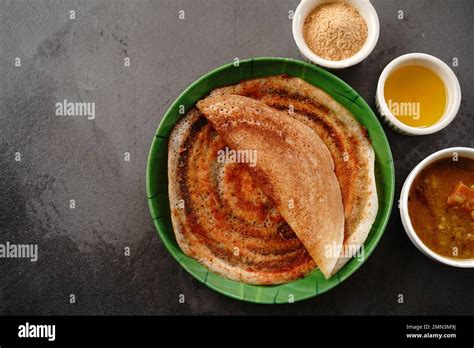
x: 416, y: 96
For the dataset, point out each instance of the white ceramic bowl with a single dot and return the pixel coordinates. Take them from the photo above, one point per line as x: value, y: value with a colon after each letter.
x: 453, y: 91
x: 461, y: 152
x: 366, y: 10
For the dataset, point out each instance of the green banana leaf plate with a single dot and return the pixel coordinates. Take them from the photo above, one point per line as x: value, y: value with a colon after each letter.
x: 157, y: 178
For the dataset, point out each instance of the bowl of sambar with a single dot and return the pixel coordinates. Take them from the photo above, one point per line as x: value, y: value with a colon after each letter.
x: 437, y: 206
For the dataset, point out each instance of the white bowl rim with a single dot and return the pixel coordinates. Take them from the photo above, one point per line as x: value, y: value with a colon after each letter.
x: 363, y: 53
x: 403, y: 205
x: 447, y: 117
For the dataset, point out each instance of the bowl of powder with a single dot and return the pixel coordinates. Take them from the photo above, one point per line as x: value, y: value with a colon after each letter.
x: 335, y: 34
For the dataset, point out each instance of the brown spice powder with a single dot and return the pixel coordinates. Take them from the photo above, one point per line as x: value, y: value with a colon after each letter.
x: 335, y: 31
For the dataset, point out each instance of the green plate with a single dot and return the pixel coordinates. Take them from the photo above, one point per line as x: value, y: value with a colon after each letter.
x: 157, y: 178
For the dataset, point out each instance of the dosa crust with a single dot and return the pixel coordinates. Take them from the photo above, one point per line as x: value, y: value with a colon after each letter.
x: 220, y: 216
x: 345, y: 138
x: 294, y: 167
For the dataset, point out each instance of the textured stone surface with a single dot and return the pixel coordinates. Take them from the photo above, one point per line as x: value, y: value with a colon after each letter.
x: 81, y: 251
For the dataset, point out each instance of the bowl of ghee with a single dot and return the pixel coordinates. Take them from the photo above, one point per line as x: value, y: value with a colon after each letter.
x: 418, y: 94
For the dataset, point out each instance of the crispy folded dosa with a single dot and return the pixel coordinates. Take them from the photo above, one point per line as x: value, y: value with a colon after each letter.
x: 294, y: 168
x: 228, y: 224
x: 221, y: 217
x: 345, y: 138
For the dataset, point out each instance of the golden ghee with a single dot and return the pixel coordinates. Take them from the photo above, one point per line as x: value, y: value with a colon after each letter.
x: 415, y: 95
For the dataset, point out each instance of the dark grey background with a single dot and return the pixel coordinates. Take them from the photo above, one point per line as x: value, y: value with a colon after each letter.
x: 81, y: 251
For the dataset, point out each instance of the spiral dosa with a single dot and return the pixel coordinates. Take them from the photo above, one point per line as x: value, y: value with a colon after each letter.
x: 294, y: 168
x: 345, y: 138
x: 228, y: 224
x: 220, y: 216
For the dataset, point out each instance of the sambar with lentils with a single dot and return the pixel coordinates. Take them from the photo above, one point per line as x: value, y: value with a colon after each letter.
x: 441, y: 207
